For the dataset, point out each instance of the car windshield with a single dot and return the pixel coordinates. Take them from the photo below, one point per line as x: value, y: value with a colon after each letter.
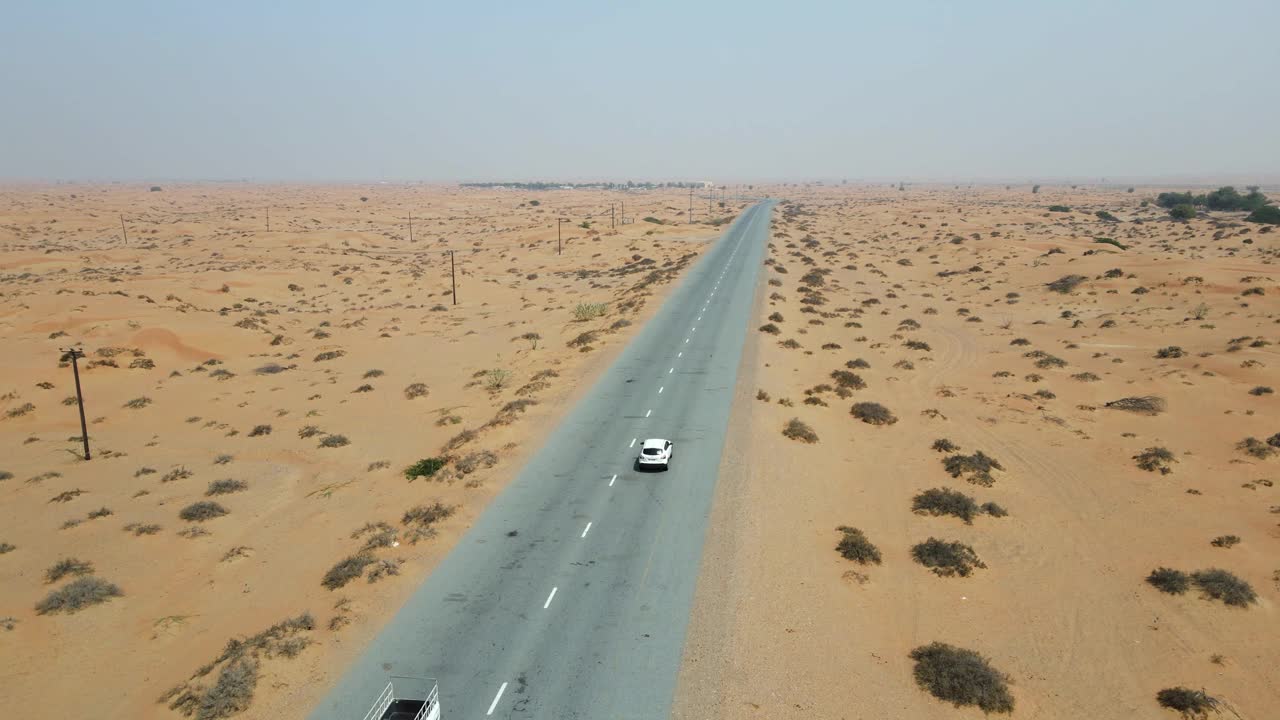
x: 651, y: 451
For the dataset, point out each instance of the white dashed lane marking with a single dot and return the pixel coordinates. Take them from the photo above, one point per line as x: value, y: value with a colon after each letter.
x: 496, y: 698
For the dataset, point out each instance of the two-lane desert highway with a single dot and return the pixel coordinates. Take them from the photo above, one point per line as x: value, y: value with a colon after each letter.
x: 570, y: 596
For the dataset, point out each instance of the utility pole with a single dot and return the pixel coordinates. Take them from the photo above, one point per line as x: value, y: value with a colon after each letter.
x: 410, y: 226
x: 624, y: 212
x: 73, y: 355
x: 123, y: 229
x: 690, y: 204
x: 453, y: 279
x: 559, y: 223
x: 613, y: 218
x: 710, y: 191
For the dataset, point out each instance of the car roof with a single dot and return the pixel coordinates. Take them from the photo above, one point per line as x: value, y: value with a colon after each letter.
x: 654, y: 443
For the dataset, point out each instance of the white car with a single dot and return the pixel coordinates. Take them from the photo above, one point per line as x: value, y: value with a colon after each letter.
x: 655, y: 453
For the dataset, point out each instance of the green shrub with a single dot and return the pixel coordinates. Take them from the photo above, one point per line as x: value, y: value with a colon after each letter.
x: 1182, y: 212
x: 1106, y: 216
x: 1059, y: 208
x: 425, y: 467
x: 855, y: 546
x: 589, y: 311
x: 1269, y: 215
x: 1111, y: 241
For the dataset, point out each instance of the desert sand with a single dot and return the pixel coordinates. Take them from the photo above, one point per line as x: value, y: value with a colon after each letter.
x: 785, y: 627
x: 289, y: 376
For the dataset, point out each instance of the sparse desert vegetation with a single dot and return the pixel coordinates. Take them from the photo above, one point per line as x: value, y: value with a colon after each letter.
x: 1097, y: 376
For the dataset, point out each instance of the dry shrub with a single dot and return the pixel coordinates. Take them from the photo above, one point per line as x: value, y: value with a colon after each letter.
x: 346, y: 570
x: 1141, y: 404
x: 796, y: 429
x: 1168, y: 580
x: 944, y: 501
x: 224, y: 487
x: 384, y: 568
x: 846, y: 379
x: 65, y: 567
x: 1191, y: 704
x: 873, y: 413
x: 232, y: 693
x: 416, y: 390
x: 1066, y: 283
x: 1221, y: 585
x: 961, y: 677
x: 1156, y: 458
x: 421, y: 520
x: 977, y: 466
x: 947, y: 558
x: 1256, y: 448
x: 855, y: 546
x: 77, y: 595
x: 475, y: 461
x: 201, y: 511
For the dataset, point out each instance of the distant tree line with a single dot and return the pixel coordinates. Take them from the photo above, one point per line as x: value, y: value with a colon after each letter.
x: 1224, y: 198
x: 628, y: 185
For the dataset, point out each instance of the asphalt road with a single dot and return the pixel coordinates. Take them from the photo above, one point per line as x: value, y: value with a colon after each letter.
x: 570, y: 596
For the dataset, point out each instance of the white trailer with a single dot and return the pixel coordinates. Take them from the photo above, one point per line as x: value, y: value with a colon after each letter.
x: 407, y: 698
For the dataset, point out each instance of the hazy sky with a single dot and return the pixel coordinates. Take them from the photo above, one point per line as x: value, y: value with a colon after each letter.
x: 740, y: 90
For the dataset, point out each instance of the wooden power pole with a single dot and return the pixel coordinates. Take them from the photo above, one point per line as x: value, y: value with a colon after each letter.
x: 73, y: 355
x: 410, y: 226
x: 453, y: 278
x: 124, y: 230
